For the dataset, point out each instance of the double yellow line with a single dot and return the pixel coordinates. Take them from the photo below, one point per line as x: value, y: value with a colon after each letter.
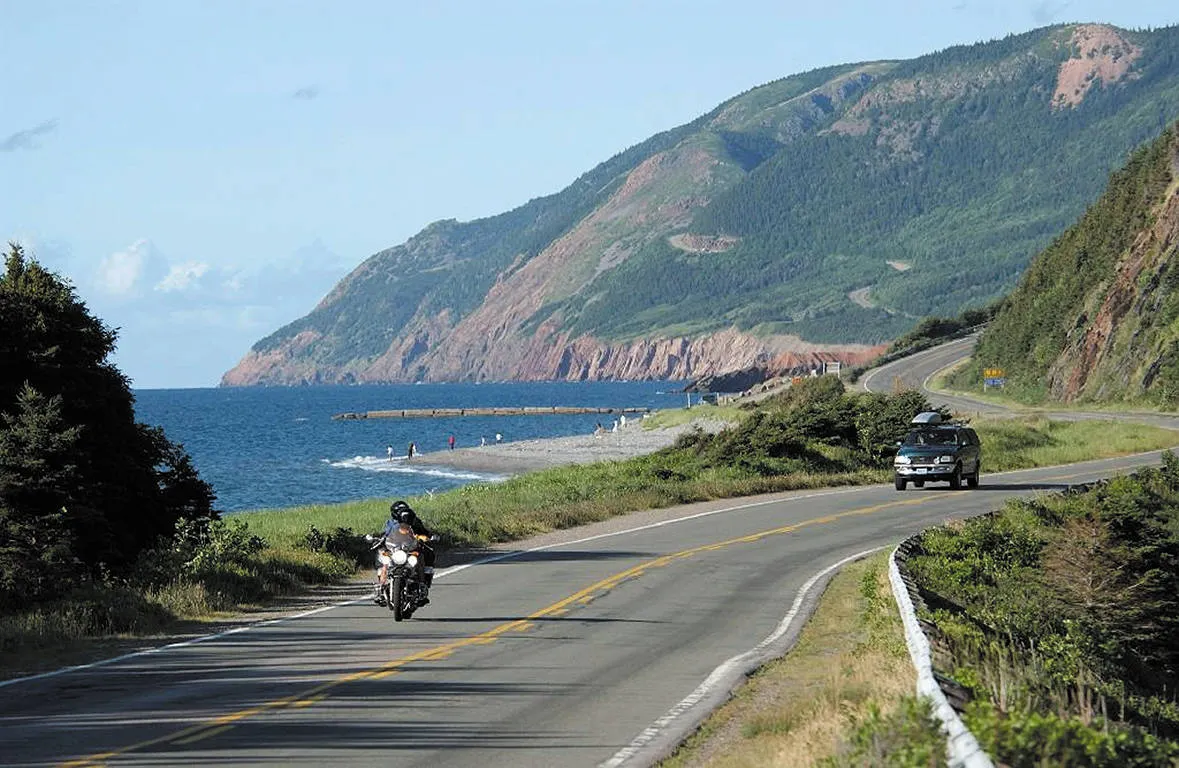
x: 223, y: 723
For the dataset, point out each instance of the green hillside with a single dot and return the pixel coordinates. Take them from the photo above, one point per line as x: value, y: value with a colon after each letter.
x: 836, y: 206
x: 987, y: 177
x: 450, y: 265
x: 1096, y: 316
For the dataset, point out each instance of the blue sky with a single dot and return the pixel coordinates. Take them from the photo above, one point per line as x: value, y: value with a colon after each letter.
x: 205, y: 171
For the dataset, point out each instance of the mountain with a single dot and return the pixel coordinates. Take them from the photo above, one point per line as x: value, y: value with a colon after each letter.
x: 1096, y: 316
x: 810, y: 218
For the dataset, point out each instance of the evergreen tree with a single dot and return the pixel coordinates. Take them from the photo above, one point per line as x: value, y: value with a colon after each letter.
x: 36, y: 474
x: 80, y: 480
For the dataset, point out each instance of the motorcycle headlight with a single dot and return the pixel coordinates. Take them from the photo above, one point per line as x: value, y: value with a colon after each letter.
x: 902, y: 460
x: 399, y: 557
x: 413, y: 561
x: 383, y: 557
x: 946, y: 459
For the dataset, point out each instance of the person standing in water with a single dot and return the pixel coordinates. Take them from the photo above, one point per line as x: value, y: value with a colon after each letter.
x: 450, y: 442
x: 389, y: 452
x: 413, y: 449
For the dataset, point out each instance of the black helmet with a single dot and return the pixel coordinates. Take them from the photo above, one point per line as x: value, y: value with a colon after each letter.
x: 399, y: 510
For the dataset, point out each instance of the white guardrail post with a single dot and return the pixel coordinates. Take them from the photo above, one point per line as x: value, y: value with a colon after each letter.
x: 962, y: 748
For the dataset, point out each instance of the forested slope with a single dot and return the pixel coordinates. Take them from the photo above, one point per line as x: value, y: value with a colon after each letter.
x: 827, y: 209
x: 1094, y: 318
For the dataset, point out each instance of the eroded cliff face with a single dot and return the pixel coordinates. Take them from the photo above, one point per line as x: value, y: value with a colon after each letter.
x: 1101, y: 54
x: 1130, y: 339
x: 747, y: 217
x: 547, y: 356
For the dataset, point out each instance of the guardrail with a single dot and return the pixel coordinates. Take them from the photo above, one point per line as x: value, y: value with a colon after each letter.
x: 962, y: 748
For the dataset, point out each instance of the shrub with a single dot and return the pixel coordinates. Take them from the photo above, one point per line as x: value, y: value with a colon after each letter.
x: 1059, y: 613
x: 1023, y: 739
x: 909, y: 737
x: 340, y: 542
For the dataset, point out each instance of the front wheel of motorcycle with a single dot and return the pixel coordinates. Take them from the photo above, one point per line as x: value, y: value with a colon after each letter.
x: 397, y: 598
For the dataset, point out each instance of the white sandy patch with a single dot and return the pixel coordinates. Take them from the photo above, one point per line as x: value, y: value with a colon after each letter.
x: 862, y: 297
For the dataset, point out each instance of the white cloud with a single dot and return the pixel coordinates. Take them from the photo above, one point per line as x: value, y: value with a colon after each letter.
x: 234, y: 283
x: 182, y: 276
x: 123, y: 272
x: 202, y: 314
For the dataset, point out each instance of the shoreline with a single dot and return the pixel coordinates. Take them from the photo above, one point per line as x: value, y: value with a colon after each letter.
x: 517, y: 457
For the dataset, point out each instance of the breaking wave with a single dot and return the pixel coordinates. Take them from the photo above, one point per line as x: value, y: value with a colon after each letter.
x: 398, y: 464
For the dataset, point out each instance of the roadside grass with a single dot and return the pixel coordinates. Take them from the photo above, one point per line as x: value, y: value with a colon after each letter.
x: 1035, y: 441
x: 476, y: 516
x: 563, y: 497
x: 286, y: 528
x: 842, y: 696
x: 123, y: 610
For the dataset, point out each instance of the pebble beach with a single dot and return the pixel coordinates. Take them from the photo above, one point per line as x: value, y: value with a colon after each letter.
x: 513, y: 458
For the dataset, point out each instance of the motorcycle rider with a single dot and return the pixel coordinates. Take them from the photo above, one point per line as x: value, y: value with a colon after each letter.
x: 402, y: 515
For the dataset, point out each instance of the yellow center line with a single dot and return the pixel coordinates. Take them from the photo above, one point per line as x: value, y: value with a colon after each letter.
x: 202, y: 735
x: 320, y: 692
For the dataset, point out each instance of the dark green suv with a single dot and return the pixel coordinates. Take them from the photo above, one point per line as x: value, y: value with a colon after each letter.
x: 937, y: 451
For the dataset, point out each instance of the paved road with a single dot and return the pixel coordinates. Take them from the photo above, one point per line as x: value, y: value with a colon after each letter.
x: 548, y: 658
x: 915, y: 372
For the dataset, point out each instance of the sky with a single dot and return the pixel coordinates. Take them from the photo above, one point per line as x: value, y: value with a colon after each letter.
x: 204, y: 172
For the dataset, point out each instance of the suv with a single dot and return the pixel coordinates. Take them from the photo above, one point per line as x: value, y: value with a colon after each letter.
x: 934, y: 450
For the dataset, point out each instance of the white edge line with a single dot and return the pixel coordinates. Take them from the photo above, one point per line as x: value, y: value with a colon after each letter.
x: 964, y: 750
x: 173, y: 646
x: 493, y: 559
x: 441, y: 574
x: 649, y: 526
x: 666, y: 733
x: 927, y: 352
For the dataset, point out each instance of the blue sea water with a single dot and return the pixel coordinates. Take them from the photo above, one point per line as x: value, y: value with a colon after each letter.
x: 278, y: 447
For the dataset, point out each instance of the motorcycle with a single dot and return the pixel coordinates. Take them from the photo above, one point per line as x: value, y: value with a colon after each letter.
x: 404, y: 589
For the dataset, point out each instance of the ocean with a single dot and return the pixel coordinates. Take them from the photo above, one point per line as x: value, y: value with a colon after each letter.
x: 277, y: 447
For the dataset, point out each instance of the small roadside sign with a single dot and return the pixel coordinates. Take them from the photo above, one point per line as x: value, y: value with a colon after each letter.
x: 993, y: 377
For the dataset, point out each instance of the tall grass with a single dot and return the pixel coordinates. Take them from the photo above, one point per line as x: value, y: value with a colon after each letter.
x: 125, y: 609
x: 675, y: 417
x: 540, y: 502
x: 1034, y: 441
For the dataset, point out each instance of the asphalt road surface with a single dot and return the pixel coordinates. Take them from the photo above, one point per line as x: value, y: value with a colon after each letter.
x: 555, y: 657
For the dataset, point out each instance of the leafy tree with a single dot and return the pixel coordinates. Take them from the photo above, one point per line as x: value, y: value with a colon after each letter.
x: 80, y: 480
